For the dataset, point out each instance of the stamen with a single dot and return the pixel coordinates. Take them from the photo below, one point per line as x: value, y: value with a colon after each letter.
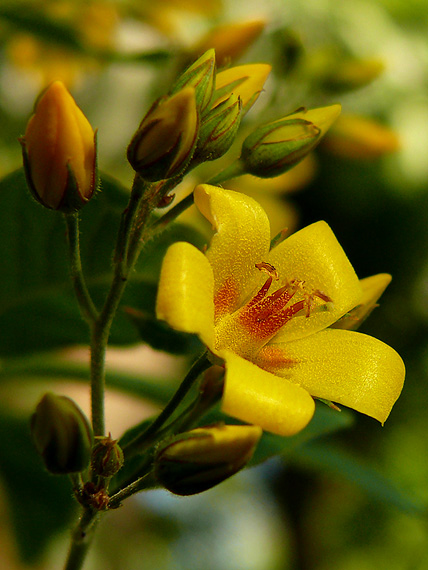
x: 268, y: 268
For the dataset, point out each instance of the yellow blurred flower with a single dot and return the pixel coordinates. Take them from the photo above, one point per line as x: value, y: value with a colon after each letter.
x: 266, y: 314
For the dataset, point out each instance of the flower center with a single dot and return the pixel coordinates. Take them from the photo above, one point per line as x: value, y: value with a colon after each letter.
x: 264, y: 315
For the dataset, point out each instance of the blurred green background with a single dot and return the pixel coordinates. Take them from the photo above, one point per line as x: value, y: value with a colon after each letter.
x: 355, y: 499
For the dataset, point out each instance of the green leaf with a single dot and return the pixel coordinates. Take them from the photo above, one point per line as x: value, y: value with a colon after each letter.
x: 40, y: 504
x: 325, y: 456
x: 160, y: 336
x: 325, y: 421
x: 37, y: 305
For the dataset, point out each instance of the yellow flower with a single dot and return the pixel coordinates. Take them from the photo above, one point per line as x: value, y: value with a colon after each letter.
x: 59, y: 151
x: 266, y: 314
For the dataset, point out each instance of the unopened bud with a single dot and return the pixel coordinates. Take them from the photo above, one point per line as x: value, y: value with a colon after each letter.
x: 195, y: 461
x: 201, y: 76
x: 274, y: 148
x: 59, y: 152
x: 218, y: 130
x: 165, y: 140
x: 62, y: 434
x: 245, y: 81
x: 107, y: 457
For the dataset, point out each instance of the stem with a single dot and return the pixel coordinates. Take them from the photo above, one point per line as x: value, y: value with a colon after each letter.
x: 87, y: 307
x: 81, y: 540
x: 134, y: 487
x: 142, y: 441
x: 161, y: 223
x: 232, y: 171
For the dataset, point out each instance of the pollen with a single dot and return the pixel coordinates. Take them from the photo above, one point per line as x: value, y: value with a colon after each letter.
x: 264, y: 315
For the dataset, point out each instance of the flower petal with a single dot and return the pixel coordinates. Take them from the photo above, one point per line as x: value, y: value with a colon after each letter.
x: 313, y: 255
x: 346, y: 367
x: 185, y: 294
x: 242, y: 239
x: 260, y: 398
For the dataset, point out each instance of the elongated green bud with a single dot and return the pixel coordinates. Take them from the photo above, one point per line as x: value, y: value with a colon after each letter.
x: 274, y: 148
x: 218, y: 130
x: 201, y: 76
x: 195, y: 461
x: 62, y: 434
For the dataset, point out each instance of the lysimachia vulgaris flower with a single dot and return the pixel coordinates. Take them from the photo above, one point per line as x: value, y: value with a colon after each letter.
x: 266, y: 313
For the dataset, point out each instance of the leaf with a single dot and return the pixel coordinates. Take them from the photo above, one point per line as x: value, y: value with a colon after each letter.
x: 37, y: 305
x: 325, y: 421
x: 160, y: 336
x: 40, y: 504
x: 328, y: 457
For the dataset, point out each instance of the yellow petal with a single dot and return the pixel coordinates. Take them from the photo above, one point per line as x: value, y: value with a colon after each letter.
x: 313, y: 255
x: 185, y: 294
x: 260, y: 398
x: 346, y: 367
x: 242, y: 239
x: 246, y: 81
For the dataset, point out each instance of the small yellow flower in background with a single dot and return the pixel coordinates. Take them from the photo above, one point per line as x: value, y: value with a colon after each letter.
x: 230, y: 40
x: 353, y: 136
x: 266, y: 314
x: 59, y: 151
x: 166, y: 138
x: 94, y: 23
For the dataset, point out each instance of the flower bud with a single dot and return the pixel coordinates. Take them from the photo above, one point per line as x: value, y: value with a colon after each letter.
x: 246, y: 81
x: 230, y: 41
x: 195, y: 461
x: 218, y: 130
x: 59, y: 152
x: 166, y: 138
x: 200, y: 76
x: 62, y: 434
x: 274, y: 148
x: 107, y: 457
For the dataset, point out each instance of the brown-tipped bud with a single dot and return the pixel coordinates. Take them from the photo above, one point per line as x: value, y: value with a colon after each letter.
x: 107, y: 457
x: 195, y: 461
x: 218, y: 130
x: 59, y: 152
x: 166, y: 138
x: 62, y: 434
x: 201, y: 76
x: 274, y: 148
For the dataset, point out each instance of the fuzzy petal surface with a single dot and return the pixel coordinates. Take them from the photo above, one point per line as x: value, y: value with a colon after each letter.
x: 346, y: 367
x: 313, y: 255
x: 260, y: 398
x: 185, y: 294
x: 242, y: 239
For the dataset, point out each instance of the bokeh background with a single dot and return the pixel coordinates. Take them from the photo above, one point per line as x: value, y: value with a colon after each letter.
x: 355, y: 499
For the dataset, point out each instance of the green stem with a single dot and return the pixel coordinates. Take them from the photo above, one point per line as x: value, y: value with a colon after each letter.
x: 232, y: 171
x: 161, y: 223
x: 134, y: 487
x: 86, y: 304
x: 142, y: 441
x: 81, y: 540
